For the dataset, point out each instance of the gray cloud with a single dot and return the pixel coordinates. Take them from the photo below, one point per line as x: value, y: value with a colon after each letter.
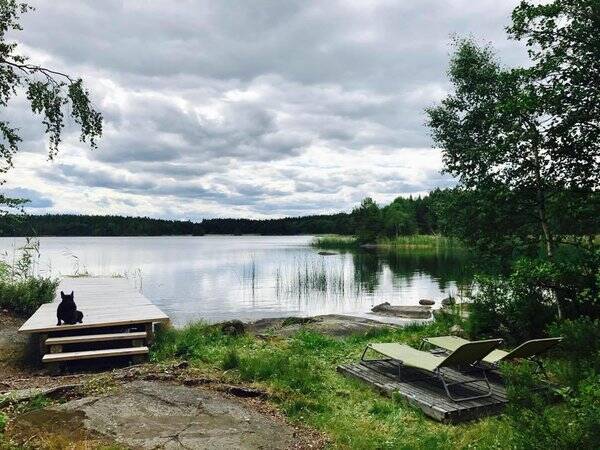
x: 36, y: 199
x: 249, y: 108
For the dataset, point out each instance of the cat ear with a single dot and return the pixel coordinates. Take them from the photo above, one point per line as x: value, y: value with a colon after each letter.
x: 62, y: 293
x: 71, y: 293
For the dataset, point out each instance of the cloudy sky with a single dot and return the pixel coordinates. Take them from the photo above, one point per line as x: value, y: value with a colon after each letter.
x: 245, y: 108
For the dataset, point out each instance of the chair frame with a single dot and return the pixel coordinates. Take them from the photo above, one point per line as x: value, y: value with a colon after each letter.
x: 438, y: 374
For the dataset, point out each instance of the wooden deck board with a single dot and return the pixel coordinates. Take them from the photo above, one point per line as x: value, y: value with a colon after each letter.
x: 427, y: 393
x: 104, y: 302
x: 96, y: 338
x: 91, y: 354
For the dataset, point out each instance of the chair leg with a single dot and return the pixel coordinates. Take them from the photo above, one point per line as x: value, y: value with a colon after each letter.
x: 440, y: 376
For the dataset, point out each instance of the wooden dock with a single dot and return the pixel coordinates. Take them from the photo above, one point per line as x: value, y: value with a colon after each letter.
x: 118, y: 321
x: 427, y: 393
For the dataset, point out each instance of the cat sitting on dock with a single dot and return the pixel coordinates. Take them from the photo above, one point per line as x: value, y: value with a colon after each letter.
x: 67, y: 310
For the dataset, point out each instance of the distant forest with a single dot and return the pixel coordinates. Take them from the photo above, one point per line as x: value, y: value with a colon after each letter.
x: 403, y: 216
x: 80, y: 225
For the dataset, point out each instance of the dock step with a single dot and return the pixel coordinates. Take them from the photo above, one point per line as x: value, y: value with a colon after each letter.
x: 71, y: 356
x: 95, y: 338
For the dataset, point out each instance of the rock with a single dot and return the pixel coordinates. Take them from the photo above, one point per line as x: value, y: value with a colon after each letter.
x: 456, y: 330
x: 244, y: 392
x: 297, y: 321
x: 327, y: 253
x: 381, y: 307
x: 448, y: 301
x: 405, y: 312
x: 426, y: 302
x: 335, y: 325
x: 156, y: 415
x: 21, y: 395
x: 233, y: 327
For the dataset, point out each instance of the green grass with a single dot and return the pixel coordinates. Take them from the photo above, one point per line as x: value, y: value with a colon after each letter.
x: 23, y: 297
x: 300, y: 374
x: 418, y: 241
x: 335, y: 242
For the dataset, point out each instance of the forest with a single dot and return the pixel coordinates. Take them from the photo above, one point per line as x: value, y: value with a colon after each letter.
x: 403, y: 216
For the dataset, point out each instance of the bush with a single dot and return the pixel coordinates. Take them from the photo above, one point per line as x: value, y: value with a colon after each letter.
x: 24, y: 296
x: 516, y: 308
x: 3, y: 421
x: 572, y: 424
x: 579, y: 350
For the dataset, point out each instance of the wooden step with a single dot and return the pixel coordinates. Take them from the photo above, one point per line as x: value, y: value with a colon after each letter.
x: 71, y: 356
x: 95, y: 338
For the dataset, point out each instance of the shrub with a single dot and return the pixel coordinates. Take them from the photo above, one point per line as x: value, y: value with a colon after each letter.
x: 579, y: 350
x: 231, y: 360
x: 3, y: 421
x: 512, y: 308
x: 573, y: 424
x: 24, y: 296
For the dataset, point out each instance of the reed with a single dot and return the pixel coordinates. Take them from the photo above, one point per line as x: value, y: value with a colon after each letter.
x: 335, y: 242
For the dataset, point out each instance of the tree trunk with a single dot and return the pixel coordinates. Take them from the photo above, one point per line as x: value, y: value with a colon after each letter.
x: 543, y: 216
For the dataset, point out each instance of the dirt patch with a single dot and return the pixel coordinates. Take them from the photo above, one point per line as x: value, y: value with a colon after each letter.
x: 15, y: 349
x: 47, y: 428
x: 151, y: 414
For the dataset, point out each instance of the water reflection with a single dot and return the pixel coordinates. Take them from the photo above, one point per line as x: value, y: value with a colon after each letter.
x: 222, y: 277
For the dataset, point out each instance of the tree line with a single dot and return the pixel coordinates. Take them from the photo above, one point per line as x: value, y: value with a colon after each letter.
x: 403, y: 216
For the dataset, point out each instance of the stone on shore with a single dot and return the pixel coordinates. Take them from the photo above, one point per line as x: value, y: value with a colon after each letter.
x: 448, y: 301
x: 405, y: 312
x: 335, y: 325
x: 426, y: 302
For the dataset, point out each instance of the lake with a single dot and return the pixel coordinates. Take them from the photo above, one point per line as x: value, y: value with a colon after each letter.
x: 216, y: 278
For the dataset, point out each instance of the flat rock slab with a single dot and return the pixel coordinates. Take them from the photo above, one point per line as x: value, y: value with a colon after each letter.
x: 152, y: 415
x: 406, y: 312
x: 335, y: 325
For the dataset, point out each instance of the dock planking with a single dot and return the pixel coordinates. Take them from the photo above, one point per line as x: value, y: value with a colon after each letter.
x: 118, y: 321
x: 104, y: 302
x: 427, y: 393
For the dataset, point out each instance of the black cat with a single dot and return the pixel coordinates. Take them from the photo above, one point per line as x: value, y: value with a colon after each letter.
x: 67, y: 310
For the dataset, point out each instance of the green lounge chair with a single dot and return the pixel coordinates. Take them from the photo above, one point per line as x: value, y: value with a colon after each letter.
x: 464, y: 356
x: 527, y: 350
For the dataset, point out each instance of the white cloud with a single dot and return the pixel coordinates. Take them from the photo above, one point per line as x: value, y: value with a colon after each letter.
x: 246, y: 109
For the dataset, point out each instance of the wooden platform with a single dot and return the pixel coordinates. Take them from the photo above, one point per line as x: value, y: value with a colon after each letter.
x: 118, y: 321
x: 103, y: 301
x: 427, y: 393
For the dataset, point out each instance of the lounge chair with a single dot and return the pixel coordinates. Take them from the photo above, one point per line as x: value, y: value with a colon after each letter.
x: 527, y: 350
x: 464, y: 356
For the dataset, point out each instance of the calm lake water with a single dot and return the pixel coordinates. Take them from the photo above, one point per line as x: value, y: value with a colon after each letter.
x: 217, y: 278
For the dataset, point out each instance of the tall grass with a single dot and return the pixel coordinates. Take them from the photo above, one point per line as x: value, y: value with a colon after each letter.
x: 335, y: 242
x: 424, y: 241
x: 21, y: 292
x: 420, y: 241
x: 313, y: 276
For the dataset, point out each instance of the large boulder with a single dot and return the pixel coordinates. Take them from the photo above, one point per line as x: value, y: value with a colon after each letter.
x: 426, y: 302
x: 233, y: 327
x: 405, y: 312
x: 448, y: 301
x: 457, y: 330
